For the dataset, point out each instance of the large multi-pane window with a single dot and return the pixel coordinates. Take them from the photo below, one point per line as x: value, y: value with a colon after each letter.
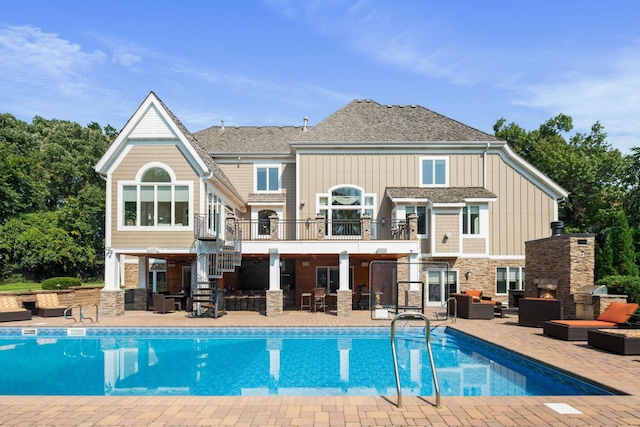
x: 421, y: 212
x: 509, y: 278
x: 471, y: 220
x: 433, y: 171
x: 343, y: 208
x: 155, y: 201
x: 267, y: 178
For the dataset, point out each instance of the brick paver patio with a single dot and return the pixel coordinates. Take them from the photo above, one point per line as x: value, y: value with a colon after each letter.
x: 621, y: 373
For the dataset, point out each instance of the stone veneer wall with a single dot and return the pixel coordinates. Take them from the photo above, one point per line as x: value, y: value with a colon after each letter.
x: 74, y: 295
x: 274, y: 303
x: 568, y: 258
x: 112, y: 303
x: 345, y: 303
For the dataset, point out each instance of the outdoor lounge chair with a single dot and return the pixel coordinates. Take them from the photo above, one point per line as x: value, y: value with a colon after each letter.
x: 48, y: 305
x: 10, y: 310
x: 615, y: 315
x: 163, y: 304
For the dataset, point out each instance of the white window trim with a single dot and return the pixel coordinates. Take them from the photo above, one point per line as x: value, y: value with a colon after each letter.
x: 363, y: 207
x: 137, y: 183
x: 446, y: 171
x: 520, y: 269
x: 257, y: 166
x: 483, y: 223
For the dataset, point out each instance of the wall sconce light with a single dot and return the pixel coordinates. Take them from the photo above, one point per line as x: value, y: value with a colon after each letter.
x: 384, y: 221
x: 308, y: 221
x: 302, y: 202
x: 467, y: 274
x: 305, y: 263
x: 364, y: 264
x: 172, y: 264
x: 447, y: 235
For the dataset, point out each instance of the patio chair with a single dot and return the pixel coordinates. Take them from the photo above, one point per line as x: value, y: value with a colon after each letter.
x: 319, y: 299
x: 10, y: 310
x: 48, y: 305
x: 162, y: 304
x: 616, y: 315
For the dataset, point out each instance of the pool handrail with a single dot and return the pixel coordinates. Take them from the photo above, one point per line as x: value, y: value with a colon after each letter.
x: 446, y: 304
x: 413, y: 315
x: 89, y: 306
x: 70, y: 308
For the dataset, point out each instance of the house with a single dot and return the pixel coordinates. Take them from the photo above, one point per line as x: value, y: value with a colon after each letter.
x: 281, y: 210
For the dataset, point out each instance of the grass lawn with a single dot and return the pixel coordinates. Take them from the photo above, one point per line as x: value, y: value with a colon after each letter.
x: 19, y: 287
x: 32, y: 286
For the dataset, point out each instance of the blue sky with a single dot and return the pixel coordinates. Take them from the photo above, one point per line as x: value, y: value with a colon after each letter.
x: 274, y: 62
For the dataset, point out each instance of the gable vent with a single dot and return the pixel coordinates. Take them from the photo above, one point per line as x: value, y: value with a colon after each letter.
x: 152, y: 125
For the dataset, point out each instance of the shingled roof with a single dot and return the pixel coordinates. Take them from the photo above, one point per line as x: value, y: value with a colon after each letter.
x: 440, y: 194
x: 249, y: 139
x: 368, y: 121
x: 358, y: 121
x: 202, y: 152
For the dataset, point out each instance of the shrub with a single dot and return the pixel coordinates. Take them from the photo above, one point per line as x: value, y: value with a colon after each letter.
x: 64, y: 282
x: 622, y: 285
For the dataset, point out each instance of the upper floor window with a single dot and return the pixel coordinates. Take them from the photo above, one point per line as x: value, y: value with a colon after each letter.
x: 267, y: 178
x: 471, y: 220
x: 434, y: 171
x: 156, y: 198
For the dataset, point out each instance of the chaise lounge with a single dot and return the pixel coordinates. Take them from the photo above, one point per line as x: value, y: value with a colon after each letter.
x: 616, y: 314
x: 10, y: 310
x: 48, y: 305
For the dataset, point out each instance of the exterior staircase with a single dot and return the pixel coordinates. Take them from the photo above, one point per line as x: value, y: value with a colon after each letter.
x: 221, y: 253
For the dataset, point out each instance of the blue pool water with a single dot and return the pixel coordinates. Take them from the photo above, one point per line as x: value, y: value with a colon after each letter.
x: 242, y: 361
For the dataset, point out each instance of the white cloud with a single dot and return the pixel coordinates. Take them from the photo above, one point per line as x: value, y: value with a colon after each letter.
x: 30, y: 55
x: 609, y: 95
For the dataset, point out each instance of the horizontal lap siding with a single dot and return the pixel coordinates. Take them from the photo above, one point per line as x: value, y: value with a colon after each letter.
x: 138, y: 156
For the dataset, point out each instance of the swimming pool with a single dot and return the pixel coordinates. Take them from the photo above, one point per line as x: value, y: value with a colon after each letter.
x: 265, y: 361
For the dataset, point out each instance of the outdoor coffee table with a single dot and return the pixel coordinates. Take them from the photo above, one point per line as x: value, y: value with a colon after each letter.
x: 620, y: 341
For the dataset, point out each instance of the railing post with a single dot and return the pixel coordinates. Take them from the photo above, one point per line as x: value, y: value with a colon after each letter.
x: 273, y: 227
x: 321, y: 224
x: 366, y: 226
x: 412, y: 219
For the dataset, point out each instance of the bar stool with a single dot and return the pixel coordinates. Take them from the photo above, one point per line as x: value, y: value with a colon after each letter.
x: 305, y: 304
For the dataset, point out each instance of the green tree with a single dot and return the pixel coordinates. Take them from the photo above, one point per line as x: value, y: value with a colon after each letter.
x: 624, y: 254
x: 604, y: 258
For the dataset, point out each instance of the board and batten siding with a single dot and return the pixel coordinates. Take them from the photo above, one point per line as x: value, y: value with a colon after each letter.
x: 136, y: 158
x: 372, y: 172
x: 522, y: 210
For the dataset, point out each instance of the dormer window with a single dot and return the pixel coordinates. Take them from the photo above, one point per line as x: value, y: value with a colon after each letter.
x: 155, y: 199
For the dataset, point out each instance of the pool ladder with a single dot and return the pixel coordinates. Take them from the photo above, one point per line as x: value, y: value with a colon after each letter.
x: 410, y: 315
x: 69, y: 311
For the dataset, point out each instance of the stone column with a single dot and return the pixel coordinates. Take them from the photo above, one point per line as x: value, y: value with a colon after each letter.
x: 111, y: 303
x: 321, y: 224
x: 366, y: 227
x: 273, y: 227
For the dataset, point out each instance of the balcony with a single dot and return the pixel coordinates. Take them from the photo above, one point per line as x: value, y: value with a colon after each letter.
x: 310, y: 229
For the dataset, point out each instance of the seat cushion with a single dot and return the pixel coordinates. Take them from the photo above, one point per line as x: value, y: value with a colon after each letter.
x: 618, y: 312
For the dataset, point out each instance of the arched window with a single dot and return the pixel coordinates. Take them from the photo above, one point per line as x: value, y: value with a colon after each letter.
x: 157, y: 199
x: 343, y: 208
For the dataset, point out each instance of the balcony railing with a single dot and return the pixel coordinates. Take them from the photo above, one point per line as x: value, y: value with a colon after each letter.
x: 320, y: 229
x: 315, y: 229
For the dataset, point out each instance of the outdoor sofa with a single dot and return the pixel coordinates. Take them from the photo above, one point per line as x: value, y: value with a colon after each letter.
x: 469, y: 307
